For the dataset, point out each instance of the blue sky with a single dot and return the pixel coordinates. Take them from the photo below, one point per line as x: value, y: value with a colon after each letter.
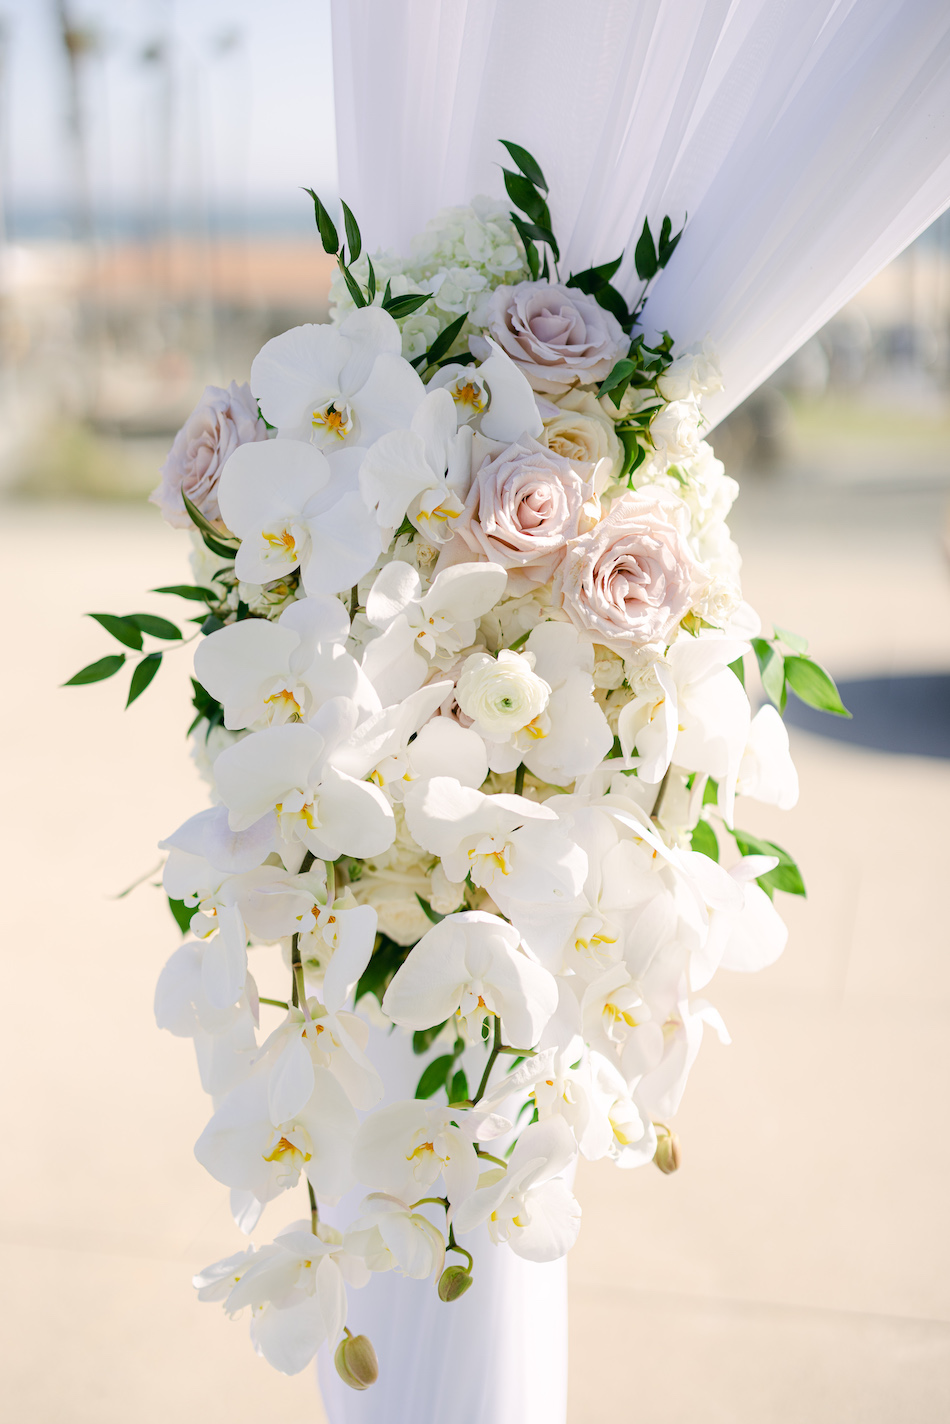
x: 248, y: 87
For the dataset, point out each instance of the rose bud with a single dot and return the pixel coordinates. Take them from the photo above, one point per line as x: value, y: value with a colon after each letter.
x: 453, y: 1282
x: 668, y: 1156
x: 356, y: 1361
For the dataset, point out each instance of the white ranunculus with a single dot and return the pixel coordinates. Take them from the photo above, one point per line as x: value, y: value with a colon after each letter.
x: 336, y: 386
x: 531, y: 1206
x: 292, y: 507
x: 502, y: 695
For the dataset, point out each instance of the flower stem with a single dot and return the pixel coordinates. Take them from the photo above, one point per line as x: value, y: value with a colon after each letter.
x: 519, y: 779
x: 660, y: 794
x: 495, y: 1050
x: 314, y: 1211
x: 277, y: 1003
x: 487, y: 1157
x: 452, y: 1245
x: 354, y: 601
x: 436, y: 1201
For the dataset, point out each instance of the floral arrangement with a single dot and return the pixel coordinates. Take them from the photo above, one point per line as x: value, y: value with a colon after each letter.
x: 470, y: 700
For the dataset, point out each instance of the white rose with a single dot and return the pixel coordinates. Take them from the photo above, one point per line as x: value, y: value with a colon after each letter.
x: 695, y: 373
x: 502, y: 695
x: 674, y: 430
x: 582, y: 431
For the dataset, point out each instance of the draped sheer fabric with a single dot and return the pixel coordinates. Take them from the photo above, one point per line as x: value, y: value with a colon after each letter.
x: 808, y: 141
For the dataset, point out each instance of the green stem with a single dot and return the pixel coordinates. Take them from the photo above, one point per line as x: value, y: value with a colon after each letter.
x: 295, y: 964
x: 276, y: 1003
x: 454, y: 1246
x: 495, y: 1050
x: 487, y: 1157
x: 314, y: 1211
x: 436, y: 1201
x: 354, y: 601
x: 519, y: 779
x: 660, y: 794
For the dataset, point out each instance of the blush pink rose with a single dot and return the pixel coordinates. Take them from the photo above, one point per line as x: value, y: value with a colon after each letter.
x: 632, y: 577
x: 555, y: 334
x: 219, y: 423
x: 523, y: 507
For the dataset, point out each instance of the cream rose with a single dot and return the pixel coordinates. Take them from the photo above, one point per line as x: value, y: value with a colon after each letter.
x: 558, y: 336
x: 501, y: 695
x: 522, y: 508
x: 674, y: 430
x: 632, y: 578
x: 582, y: 431
x: 219, y: 423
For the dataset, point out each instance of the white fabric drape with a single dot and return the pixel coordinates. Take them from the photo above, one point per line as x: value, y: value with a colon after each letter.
x: 808, y: 141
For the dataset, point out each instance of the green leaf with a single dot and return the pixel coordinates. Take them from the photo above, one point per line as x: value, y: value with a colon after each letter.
x: 738, y: 667
x: 182, y: 913
x: 353, y: 239
x: 634, y: 453
x: 786, y: 875
x: 207, y: 707
x: 443, y: 343
x: 217, y: 542
x: 644, y: 255
x: 795, y: 641
x: 398, y: 307
x: 142, y: 675
x: 189, y: 590
x: 668, y: 244
x: 388, y: 956
x: 458, y: 1092
x: 96, y: 672
x: 528, y: 164
x: 211, y: 624
x: 593, y: 278
x: 423, y: 1038
x: 526, y: 197
x: 428, y: 911
x: 352, y: 286
x: 610, y: 299
x: 618, y: 376
x: 704, y: 840
x: 370, y: 281
x: 711, y: 793
x: 531, y: 252
x: 126, y: 632
x: 154, y: 626
x: 435, y: 1076
x: 809, y: 681
x: 771, y: 670
x: 540, y: 234
x: 328, y: 233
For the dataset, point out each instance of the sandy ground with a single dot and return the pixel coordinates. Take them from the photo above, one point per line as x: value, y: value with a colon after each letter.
x: 797, y: 1268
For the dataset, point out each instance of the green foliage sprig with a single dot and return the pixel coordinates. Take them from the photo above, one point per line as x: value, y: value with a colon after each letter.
x: 397, y: 307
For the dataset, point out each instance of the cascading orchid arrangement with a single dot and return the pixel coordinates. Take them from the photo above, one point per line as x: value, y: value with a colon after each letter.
x: 470, y: 701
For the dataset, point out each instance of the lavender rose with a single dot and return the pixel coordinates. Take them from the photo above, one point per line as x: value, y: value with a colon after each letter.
x: 219, y: 423
x: 632, y: 577
x: 558, y: 336
x: 522, y: 508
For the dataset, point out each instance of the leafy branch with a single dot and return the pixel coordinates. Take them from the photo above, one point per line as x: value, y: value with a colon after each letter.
x: 398, y: 307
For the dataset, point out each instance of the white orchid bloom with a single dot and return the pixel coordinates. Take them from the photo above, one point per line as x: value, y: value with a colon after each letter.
x: 531, y: 1206
x: 295, y: 1288
x: 337, y: 386
x: 747, y: 937
x: 310, y: 1038
x: 766, y: 771
x: 265, y: 673
x: 292, y: 507
x: 406, y: 1147
x: 243, y: 1148
x: 514, y: 848
x: 224, y: 1038
x: 440, y: 621
x: 696, y: 714
x: 661, y: 1089
x: 390, y: 1236
x: 422, y: 471
x: 618, y: 1023
x: 442, y: 748
x: 577, y: 736
x: 495, y: 397
x: 595, y: 1102
x: 288, y: 770
x: 471, y: 964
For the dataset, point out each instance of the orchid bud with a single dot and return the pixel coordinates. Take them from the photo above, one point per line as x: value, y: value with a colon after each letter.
x: 667, y: 1156
x: 453, y: 1282
x: 356, y: 1361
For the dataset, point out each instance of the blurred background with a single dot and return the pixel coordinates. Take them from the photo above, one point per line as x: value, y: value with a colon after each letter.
x: 153, y: 234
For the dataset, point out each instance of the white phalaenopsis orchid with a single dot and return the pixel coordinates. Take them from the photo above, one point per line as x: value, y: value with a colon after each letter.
x: 295, y: 1288
x: 244, y: 1148
x: 471, y: 964
x: 695, y: 713
x: 766, y: 771
x: 529, y: 1206
x: 224, y: 1038
x: 390, y: 1236
x: 441, y: 621
x: 337, y: 385
x: 661, y: 1090
x: 514, y: 848
x: 292, y: 507
x: 747, y: 937
x: 495, y: 398
x: 423, y: 472
x: 265, y: 674
x: 406, y: 1147
x: 289, y: 771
